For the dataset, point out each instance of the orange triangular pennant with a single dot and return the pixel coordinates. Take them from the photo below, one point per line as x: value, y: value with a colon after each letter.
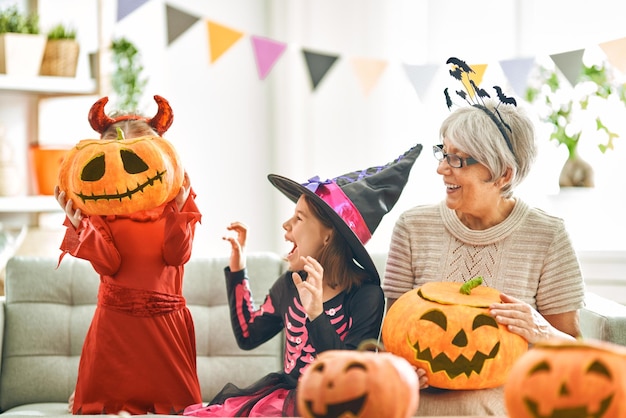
x: 368, y: 71
x: 221, y: 38
x: 616, y: 53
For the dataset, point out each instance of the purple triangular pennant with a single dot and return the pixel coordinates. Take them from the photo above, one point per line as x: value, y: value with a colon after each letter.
x: 126, y: 7
x: 266, y: 53
x: 421, y: 76
x: 178, y: 22
x: 318, y: 65
x: 517, y: 71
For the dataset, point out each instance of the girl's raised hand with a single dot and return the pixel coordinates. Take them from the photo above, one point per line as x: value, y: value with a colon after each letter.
x: 311, y: 290
x: 237, y: 244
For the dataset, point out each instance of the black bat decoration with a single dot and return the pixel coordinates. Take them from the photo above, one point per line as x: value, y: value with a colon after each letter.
x: 462, y: 94
x: 456, y: 73
x: 460, y: 63
x: 448, y: 99
x: 479, y: 92
x: 503, y: 98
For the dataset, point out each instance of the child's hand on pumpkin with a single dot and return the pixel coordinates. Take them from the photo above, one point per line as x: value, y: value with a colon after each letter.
x: 238, y: 244
x: 183, y: 193
x: 74, y: 216
x: 423, y: 378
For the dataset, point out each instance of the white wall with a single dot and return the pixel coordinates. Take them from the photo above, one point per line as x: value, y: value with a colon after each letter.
x: 232, y: 129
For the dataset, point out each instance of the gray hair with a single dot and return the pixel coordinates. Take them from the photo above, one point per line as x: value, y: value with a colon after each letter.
x: 472, y: 131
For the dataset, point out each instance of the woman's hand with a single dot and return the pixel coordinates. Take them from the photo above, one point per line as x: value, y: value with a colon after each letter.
x: 520, y: 318
x: 237, y: 244
x: 75, y: 216
x: 311, y: 290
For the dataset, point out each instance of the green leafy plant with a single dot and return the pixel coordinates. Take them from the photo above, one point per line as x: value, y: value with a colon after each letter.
x: 12, y: 20
x: 573, y: 110
x: 127, y: 81
x: 61, y: 31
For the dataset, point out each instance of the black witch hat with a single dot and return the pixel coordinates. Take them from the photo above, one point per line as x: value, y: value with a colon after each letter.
x: 356, y: 202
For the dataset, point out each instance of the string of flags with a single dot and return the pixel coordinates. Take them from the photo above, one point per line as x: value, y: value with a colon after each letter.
x: 268, y: 52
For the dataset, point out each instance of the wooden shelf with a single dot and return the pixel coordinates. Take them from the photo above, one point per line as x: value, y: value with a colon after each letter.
x: 48, y: 85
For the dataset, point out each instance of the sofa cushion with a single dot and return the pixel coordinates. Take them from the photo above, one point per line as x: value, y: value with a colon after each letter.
x: 48, y: 311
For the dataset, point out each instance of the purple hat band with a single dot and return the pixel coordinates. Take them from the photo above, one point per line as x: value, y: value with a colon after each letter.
x: 334, y: 197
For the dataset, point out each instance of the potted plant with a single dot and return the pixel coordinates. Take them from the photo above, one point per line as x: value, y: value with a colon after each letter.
x: 126, y: 80
x: 60, y: 56
x: 21, y: 44
x: 578, y: 113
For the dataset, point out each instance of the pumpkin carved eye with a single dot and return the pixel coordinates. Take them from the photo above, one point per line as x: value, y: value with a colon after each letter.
x: 484, y: 320
x: 437, y: 317
x: 356, y: 365
x: 94, y: 169
x: 133, y: 164
x: 600, y: 368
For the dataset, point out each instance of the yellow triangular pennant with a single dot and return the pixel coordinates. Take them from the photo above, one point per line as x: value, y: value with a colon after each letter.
x: 476, y: 77
x: 221, y: 38
x: 368, y: 71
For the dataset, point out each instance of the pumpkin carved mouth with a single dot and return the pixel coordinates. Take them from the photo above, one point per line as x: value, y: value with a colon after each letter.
x: 353, y: 407
x: 462, y: 365
x: 127, y: 194
x: 572, y: 412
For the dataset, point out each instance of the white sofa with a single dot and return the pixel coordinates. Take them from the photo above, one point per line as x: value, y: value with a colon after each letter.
x: 46, y: 312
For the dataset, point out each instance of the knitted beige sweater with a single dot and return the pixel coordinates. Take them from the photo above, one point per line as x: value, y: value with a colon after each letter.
x: 528, y: 256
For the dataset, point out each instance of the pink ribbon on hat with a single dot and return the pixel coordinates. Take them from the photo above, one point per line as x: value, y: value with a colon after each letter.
x: 332, y: 194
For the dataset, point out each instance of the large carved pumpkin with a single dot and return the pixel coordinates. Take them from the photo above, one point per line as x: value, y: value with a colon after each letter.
x: 450, y: 334
x: 568, y: 379
x: 358, y: 384
x: 121, y: 176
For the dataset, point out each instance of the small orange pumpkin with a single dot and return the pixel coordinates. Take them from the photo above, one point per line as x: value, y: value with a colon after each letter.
x: 558, y: 378
x: 359, y: 384
x: 446, y: 329
x: 121, y: 176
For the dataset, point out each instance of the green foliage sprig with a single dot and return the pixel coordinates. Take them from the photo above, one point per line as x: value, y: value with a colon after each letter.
x: 571, y: 110
x: 126, y: 80
x: 61, y: 31
x: 14, y: 21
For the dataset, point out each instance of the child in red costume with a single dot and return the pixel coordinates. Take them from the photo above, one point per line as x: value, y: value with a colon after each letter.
x: 139, y: 355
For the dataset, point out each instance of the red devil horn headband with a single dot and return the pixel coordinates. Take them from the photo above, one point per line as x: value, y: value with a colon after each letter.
x: 161, y: 122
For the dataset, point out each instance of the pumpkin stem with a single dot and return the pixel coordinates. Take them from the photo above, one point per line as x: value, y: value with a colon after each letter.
x: 370, y: 344
x: 120, y: 133
x: 467, y: 287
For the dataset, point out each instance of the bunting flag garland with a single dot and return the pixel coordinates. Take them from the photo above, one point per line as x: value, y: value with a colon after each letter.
x: 221, y: 39
x: 126, y: 7
x: 421, y: 76
x: 266, y: 53
x: 318, y: 65
x: 517, y: 72
x: 178, y: 22
x: 368, y: 71
x: 614, y: 51
x: 570, y: 64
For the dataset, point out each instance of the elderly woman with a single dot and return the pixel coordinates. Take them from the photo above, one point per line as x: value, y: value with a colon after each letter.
x: 482, y: 229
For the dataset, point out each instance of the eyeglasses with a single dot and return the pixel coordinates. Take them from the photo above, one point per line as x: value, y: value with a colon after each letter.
x: 453, y: 160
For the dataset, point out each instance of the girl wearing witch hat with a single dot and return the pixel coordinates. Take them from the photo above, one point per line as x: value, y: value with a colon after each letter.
x: 330, y: 298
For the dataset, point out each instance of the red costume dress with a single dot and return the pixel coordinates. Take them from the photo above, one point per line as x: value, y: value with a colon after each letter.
x: 139, y: 354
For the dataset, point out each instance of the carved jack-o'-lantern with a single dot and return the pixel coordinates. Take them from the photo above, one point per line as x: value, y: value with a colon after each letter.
x: 351, y: 383
x: 446, y: 329
x: 568, y: 379
x: 121, y: 176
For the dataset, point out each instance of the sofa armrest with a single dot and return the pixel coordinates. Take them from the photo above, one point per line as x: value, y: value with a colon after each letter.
x: 603, y: 319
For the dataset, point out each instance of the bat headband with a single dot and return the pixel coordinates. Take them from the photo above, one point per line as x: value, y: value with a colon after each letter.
x: 161, y: 122
x: 475, y: 95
